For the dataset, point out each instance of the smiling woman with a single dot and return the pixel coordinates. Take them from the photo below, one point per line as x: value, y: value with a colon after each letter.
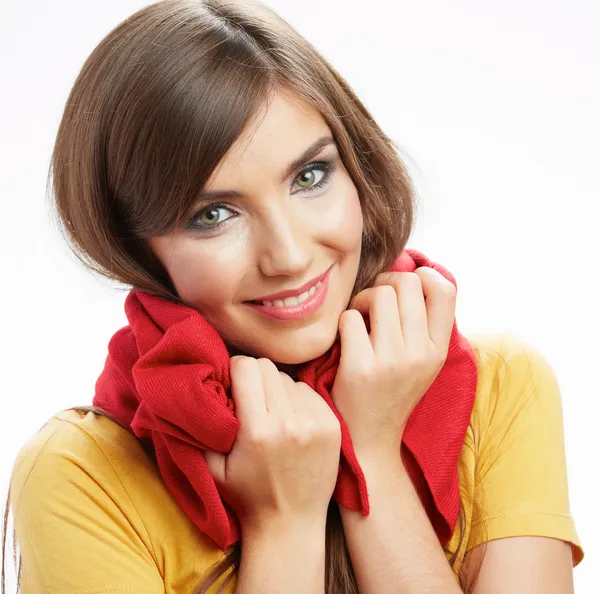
x: 290, y: 223
x: 291, y: 386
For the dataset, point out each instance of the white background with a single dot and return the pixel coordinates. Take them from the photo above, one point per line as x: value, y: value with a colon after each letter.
x: 495, y: 103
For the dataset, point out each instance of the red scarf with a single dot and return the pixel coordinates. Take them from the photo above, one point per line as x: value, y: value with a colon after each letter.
x: 166, y: 377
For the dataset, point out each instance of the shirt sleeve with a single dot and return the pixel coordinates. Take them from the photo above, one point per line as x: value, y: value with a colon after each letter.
x: 74, y: 525
x: 521, y: 475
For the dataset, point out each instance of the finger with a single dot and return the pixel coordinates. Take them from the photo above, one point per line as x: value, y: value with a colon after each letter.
x: 302, y: 399
x: 247, y: 390
x: 354, y: 340
x: 384, y: 318
x: 440, y: 301
x: 216, y: 465
x: 411, y: 306
x: 307, y: 402
x: 289, y: 387
x: 362, y: 301
x: 276, y: 399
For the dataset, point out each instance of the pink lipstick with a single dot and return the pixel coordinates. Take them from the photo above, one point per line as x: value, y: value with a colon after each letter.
x: 295, y: 304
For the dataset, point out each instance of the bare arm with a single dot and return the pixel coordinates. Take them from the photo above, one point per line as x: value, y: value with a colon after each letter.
x: 520, y: 565
x: 395, y: 549
x: 279, y: 478
x: 283, y: 559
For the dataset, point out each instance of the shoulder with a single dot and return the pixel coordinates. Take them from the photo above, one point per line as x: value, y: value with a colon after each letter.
x: 77, y: 525
x: 86, y: 494
x: 71, y: 442
x: 514, y: 379
x: 494, y: 352
x: 83, y: 463
x: 515, y: 454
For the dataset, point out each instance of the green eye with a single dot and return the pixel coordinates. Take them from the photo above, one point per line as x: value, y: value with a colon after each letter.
x: 210, y: 217
x: 306, y: 178
x: 309, y: 181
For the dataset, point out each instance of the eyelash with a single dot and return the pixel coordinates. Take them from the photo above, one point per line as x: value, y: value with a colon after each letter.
x: 325, y: 166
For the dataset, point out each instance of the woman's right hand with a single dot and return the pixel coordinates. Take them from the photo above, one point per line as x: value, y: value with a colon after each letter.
x: 284, y: 462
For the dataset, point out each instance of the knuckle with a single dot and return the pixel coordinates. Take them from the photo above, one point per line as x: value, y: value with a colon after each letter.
x: 408, y: 279
x: 383, y: 278
x: 447, y: 288
x: 385, y: 362
x: 264, y: 362
x: 411, y: 277
x: 242, y: 360
x: 289, y: 389
x: 362, y: 373
x: 266, y: 365
x: 303, y: 387
x: 286, y: 379
x: 420, y: 360
x: 387, y: 291
x: 300, y: 394
x: 260, y: 438
x: 294, y: 434
x: 398, y: 282
x: 241, y: 365
x: 389, y: 366
x: 349, y: 314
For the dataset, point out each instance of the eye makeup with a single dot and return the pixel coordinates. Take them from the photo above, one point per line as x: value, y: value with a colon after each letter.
x: 196, y: 225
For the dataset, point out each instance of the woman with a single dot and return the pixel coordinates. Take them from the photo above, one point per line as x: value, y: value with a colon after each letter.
x: 291, y: 406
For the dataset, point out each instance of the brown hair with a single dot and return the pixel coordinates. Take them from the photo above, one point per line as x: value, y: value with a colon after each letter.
x: 155, y: 108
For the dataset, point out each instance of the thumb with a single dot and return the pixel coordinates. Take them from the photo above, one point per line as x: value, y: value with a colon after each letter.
x: 216, y: 465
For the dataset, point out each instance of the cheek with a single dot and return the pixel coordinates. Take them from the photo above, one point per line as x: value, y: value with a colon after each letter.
x: 206, y: 276
x: 353, y: 220
x: 341, y: 223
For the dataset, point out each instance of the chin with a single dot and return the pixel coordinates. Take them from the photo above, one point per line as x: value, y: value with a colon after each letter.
x: 298, y: 356
x: 296, y: 350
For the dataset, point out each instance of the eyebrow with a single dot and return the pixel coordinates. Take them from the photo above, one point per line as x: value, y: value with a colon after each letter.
x: 312, y: 151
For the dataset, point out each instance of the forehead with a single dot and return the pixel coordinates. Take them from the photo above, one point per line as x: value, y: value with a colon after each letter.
x: 278, y: 134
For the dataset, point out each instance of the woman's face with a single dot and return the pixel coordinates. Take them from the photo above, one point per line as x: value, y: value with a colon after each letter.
x: 278, y: 225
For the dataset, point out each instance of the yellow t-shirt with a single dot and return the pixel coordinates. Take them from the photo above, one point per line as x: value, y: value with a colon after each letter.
x: 93, y: 516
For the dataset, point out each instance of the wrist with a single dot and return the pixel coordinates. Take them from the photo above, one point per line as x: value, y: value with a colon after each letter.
x: 296, y: 546
x: 280, y: 552
x: 381, y: 461
x: 276, y: 528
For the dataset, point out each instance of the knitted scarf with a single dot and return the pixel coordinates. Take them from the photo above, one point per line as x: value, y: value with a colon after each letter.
x: 166, y: 377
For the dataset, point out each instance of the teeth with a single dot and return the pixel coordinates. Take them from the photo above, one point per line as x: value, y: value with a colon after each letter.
x: 290, y: 301
x: 293, y: 301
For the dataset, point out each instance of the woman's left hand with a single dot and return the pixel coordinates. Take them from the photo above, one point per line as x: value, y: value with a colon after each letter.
x: 383, y: 374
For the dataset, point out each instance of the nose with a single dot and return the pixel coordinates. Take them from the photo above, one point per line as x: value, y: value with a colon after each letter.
x: 284, y: 246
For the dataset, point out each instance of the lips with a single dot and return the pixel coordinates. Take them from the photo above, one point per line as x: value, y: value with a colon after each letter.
x: 293, y: 301
x: 293, y: 306
x: 292, y: 293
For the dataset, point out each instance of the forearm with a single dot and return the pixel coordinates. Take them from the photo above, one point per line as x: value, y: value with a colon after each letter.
x: 283, y: 558
x: 395, y: 549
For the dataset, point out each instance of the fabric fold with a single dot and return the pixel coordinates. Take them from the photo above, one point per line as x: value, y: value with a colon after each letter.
x: 166, y: 377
